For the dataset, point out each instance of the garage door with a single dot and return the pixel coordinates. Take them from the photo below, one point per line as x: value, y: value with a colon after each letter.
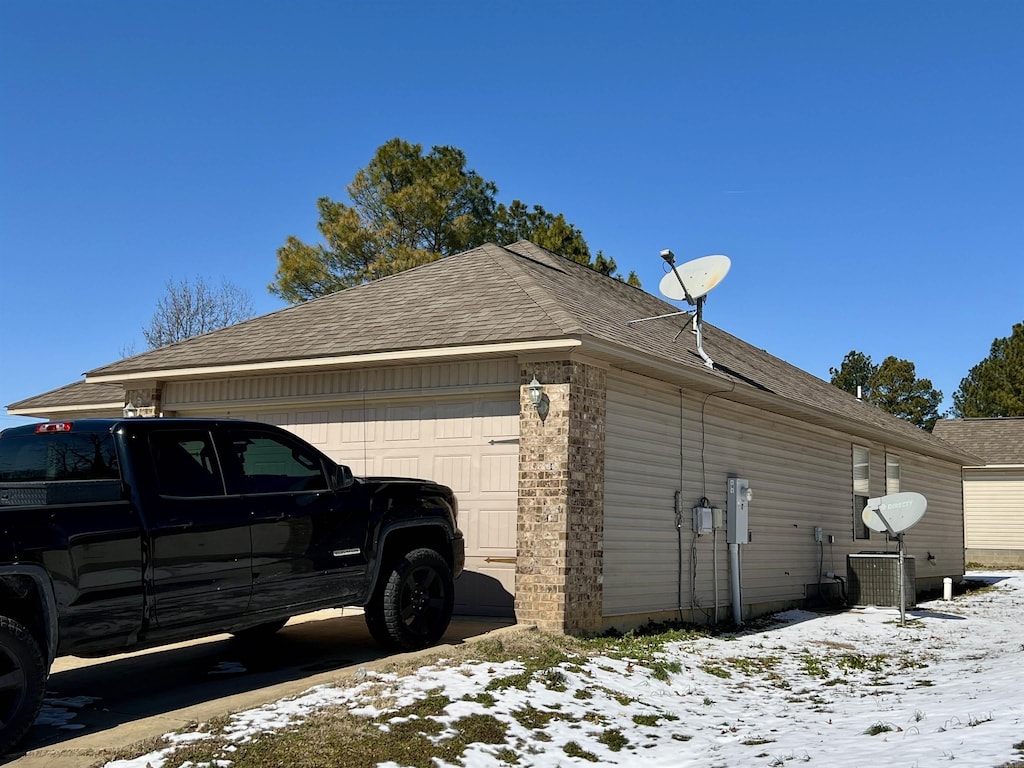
x: 470, y: 445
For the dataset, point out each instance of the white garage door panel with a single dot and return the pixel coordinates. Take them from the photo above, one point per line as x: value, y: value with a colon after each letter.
x: 454, y: 471
x: 401, y: 466
x: 499, y: 419
x: 311, y: 426
x: 470, y: 445
x: 499, y: 473
x: 453, y: 422
x: 496, y: 532
x: 402, y: 424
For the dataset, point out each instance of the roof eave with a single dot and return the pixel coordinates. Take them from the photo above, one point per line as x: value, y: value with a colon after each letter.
x: 391, y: 357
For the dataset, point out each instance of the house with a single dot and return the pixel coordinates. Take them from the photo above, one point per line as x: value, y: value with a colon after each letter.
x: 577, y: 512
x: 993, y: 488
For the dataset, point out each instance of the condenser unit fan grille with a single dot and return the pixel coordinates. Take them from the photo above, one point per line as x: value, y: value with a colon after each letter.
x: 873, y: 579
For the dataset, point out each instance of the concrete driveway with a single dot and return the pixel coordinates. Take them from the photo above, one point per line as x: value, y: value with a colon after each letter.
x: 94, y: 705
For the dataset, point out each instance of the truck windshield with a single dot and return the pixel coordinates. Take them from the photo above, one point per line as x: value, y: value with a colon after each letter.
x: 34, y: 457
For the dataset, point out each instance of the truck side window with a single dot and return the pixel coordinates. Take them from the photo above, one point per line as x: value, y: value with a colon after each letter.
x: 186, y: 463
x: 269, y: 463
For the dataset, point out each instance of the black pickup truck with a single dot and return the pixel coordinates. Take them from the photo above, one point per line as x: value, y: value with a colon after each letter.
x: 119, y: 534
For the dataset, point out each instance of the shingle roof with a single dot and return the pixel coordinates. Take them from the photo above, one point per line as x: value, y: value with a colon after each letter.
x: 997, y: 441
x: 79, y: 393
x: 468, y: 298
x: 494, y: 294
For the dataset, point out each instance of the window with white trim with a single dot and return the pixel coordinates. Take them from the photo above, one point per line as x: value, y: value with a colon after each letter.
x: 861, y: 490
x: 892, y: 473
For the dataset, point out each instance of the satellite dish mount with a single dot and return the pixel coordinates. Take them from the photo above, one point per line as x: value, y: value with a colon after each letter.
x: 691, y: 281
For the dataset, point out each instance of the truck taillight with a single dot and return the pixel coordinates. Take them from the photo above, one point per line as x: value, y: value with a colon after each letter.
x: 56, y: 426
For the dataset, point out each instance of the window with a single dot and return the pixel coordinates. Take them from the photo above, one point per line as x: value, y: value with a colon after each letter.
x: 270, y: 463
x: 36, y: 457
x: 892, y: 473
x: 186, y: 463
x: 861, y: 490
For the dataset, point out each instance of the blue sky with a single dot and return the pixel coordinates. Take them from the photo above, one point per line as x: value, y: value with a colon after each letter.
x: 860, y: 162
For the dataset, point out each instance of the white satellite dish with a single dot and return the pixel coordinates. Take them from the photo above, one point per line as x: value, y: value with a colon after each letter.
x: 695, y: 278
x: 692, y: 281
x: 894, y: 513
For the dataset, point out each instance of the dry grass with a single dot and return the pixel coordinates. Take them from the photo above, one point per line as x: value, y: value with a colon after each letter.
x: 411, y: 736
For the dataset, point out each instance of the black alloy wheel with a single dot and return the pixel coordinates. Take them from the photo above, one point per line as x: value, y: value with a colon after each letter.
x: 415, y: 606
x: 22, y: 682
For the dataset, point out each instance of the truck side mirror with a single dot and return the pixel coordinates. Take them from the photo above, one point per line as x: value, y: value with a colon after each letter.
x: 343, y: 477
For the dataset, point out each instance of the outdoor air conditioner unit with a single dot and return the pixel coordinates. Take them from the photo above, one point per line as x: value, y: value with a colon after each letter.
x: 873, y: 579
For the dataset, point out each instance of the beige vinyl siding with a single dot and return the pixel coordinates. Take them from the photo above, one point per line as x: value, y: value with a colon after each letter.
x: 413, y: 381
x: 642, y: 474
x: 800, y: 477
x: 994, y: 507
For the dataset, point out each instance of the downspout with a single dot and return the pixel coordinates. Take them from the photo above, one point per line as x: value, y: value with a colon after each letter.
x: 714, y: 560
x: 737, y: 594
x: 679, y: 514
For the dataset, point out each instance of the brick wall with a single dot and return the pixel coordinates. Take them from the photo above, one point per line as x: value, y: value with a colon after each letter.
x: 561, y: 498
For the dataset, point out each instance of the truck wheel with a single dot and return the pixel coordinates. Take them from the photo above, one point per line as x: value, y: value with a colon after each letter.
x: 22, y: 682
x: 413, y: 606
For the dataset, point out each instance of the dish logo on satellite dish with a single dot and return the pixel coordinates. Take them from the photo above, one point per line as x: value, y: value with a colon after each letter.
x: 885, y: 506
x: 894, y: 513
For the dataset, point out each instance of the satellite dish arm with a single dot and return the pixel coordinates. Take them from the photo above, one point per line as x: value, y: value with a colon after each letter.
x: 670, y: 259
x: 885, y: 522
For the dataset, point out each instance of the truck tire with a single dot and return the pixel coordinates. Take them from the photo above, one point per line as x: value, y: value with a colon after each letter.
x: 22, y: 682
x: 412, y: 606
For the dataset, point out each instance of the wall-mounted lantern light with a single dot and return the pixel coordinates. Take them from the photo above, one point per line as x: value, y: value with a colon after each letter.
x: 536, y: 392
x: 538, y: 399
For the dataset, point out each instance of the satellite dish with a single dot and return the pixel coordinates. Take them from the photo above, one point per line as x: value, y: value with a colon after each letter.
x: 894, y: 513
x: 695, y: 278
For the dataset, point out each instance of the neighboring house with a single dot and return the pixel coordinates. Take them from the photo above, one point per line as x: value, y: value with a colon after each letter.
x: 570, y: 510
x: 993, y: 489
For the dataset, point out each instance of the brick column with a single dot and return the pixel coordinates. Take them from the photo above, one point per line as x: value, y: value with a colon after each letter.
x: 560, y: 524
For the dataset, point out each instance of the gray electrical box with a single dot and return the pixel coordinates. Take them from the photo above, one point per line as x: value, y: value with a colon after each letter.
x: 703, y: 521
x: 738, y: 495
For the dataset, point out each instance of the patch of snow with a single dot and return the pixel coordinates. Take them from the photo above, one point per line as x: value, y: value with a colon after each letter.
x: 59, y: 712
x: 844, y: 690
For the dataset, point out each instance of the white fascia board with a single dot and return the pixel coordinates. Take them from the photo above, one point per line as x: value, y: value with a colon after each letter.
x: 342, y: 361
x: 33, y: 412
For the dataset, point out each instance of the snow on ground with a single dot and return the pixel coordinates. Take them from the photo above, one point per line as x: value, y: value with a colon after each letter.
x: 848, y: 689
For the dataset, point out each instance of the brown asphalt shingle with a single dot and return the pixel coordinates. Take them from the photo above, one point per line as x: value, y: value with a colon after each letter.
x: 463, y: 299
x: 79, y: 393
x: 494, y: 294
x: 997, y: 441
